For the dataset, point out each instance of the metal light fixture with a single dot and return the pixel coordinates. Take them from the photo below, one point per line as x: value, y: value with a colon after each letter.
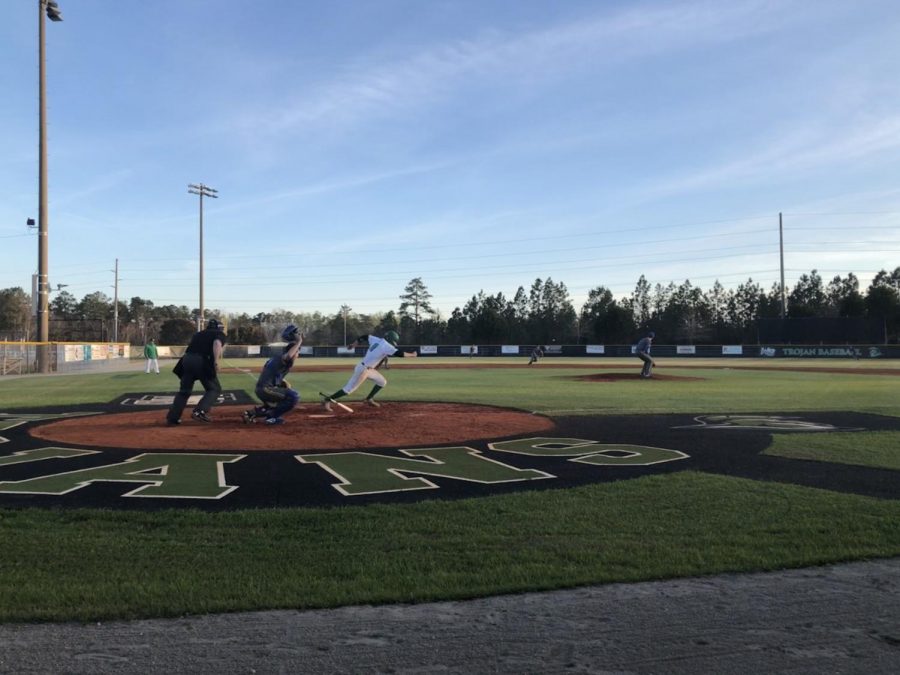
x: 53, y: 12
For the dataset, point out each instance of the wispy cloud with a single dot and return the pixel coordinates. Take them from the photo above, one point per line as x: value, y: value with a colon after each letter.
x: 796, y: 151
x: 336, y: 185
x: 364, y: 90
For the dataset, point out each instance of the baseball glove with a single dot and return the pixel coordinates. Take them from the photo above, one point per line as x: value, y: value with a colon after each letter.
x: 285, y: 384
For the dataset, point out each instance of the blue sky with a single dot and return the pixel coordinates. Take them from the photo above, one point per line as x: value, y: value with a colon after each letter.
x: 477, y: 145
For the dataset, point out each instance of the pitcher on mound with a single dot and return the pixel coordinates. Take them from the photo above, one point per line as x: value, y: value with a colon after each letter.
x: 379, y: 348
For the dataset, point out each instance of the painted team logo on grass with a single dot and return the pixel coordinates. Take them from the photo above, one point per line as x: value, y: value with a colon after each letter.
x: 159, y: 399
x: 47, y: 468
x: 767, y: 422
x: 362, y: 473
x: 590, y: 452
x: 10, y: 420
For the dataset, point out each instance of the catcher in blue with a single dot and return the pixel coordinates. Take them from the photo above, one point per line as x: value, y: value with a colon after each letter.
x: 367, y: 369
x: 272, y: 389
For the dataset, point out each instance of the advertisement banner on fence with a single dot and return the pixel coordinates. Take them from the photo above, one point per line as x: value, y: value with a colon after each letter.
x: 553, y: 349
x: 253, y: 350
x: 596, y: 349
x: 74, y: 352
x: 306, y: 351
x: 468, y: 350
x: 685, y: 349
x: 428, y: 349
x: 848, y: 352
x: 509, y: 349
x: 732, y: 350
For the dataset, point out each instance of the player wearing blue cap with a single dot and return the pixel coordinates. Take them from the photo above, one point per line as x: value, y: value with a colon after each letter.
x: 271, y: 388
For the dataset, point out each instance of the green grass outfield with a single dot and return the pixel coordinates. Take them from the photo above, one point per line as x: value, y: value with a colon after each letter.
x: 88, y: 564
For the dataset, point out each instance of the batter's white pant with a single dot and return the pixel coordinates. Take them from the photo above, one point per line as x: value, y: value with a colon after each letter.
x: 360, y: 375
x: 154, y: 363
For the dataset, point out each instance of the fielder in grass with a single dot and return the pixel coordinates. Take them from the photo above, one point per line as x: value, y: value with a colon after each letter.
x: 367, y: 369
x: 536, y: 354
x: 643, y: 352
x: 272, y: 389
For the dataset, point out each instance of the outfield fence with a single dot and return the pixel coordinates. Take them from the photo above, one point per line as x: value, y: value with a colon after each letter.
x: 818, y: 351
x: 22, y: 358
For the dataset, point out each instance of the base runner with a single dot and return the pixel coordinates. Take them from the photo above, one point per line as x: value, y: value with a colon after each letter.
x: 379, y: 348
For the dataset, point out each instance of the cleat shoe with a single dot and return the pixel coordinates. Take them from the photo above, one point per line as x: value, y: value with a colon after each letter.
x: 173, y: 423
x: 275, y: 420
x: 373, y: 403
x: 326, y: 403
x: 201, y: 416
x: 249, y: 417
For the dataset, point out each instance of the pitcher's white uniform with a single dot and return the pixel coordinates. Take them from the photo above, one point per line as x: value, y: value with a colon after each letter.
x: 365, y: 370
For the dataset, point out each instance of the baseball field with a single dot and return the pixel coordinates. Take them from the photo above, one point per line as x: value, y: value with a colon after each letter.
x: 711, y: 466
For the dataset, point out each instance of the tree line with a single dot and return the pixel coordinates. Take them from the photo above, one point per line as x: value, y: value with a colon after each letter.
x: 542, y: 314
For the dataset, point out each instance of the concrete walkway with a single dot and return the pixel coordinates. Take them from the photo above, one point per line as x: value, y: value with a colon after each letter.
x: 835, y: 619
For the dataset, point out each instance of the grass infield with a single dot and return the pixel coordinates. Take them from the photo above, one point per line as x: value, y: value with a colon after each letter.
x: 89, y: 564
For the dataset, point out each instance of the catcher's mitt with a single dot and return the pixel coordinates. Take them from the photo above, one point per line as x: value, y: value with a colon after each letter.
x: 285, y: 384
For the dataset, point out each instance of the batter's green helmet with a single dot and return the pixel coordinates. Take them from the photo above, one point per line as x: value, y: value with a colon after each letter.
x: 392, y: 337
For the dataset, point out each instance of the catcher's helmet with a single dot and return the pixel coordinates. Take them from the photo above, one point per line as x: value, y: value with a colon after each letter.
x: 290, y: 333
x: 213, y: 324
x: 392, y: 337
x: 651, y: 334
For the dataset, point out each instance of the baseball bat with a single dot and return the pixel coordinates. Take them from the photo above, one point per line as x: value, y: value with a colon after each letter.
x: 337, y: 403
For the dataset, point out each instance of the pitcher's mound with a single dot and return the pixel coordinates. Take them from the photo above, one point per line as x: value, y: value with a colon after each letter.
x: 630, y: 377
x: 307, y: 427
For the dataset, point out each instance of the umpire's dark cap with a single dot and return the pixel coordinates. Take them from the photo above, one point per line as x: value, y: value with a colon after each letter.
x: 213, y: 324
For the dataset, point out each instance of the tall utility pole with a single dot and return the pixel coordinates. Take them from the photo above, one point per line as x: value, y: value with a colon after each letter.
x: 203, y: 191
x: 116, y: 304
x: 51, y: 9
x: 345, y: 310
x: 781, y: 252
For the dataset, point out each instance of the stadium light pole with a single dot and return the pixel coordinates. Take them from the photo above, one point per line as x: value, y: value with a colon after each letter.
x: 116, y: 303
x: 781, y: 254
x: 203, y: 191
x: 51, y: 9
x: 345, y: 309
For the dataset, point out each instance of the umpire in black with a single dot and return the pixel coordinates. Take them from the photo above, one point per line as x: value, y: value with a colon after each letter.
x: 200, y: 362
